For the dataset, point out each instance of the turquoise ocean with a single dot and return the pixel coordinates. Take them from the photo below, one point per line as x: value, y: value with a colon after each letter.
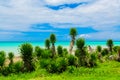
x: 14, y: 46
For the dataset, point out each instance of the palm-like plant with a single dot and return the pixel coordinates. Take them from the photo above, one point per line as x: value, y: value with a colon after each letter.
x: 80, y: 43
x: 11, y: 56
x: 99, y: 49
x: 60, y: 50
x: 119, y: 53
x: 47, y: 43
x: 73, y: 33
x: 27, y: 56
x: 81, y: 53
x: 2, y: 58
x: 110, y: 44
x: 53, y: 40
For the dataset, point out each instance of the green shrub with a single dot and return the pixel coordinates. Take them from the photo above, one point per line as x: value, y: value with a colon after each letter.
x: 93, y: 60
x: 71, y: 69
x: 26, y: 51
x: 99, y: 48
x: 18, y: 66
x: 53, y: 40
x: 46, y: 54
x: 5, y: 71
x: 65, y: 52
x: 44, y: 63
x: 2, y: 58
x: 60, y: 50
x: 47, y: 43
x: 72, y: 60
x: 77, y: 53
x: 118, y: 54
x: 11, y: 56
x: 58, y: 66
x: 115, y: 48
x: 110, y: 44
x: 104, y: 52
x: 38, y: 51
x: 80, y: 43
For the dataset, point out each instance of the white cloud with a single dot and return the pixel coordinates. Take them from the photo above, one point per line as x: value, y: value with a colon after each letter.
x: 84, y: 36
x: 102, y: 15
x: 59, y: 2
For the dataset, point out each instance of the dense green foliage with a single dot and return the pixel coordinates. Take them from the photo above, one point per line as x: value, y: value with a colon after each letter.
x: 99, y: 48
x: 80, y: 43
x: 110, y: 44
x: 73, y: 33
x: 104, y: 52
x: 27, y: 56
x: 60, y: 50
x: 53, y: 40
x: 11, y: 56
x: 38, y: 51
x: 2, y: 58
x: 47, y: 43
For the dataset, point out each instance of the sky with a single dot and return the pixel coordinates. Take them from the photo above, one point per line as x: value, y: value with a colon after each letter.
x: 35, y: 20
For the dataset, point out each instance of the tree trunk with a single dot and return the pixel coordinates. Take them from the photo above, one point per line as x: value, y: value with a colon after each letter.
x: 53, y: 50
x: 71, y: 46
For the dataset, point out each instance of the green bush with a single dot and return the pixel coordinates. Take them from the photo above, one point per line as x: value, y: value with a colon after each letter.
x: 47, y: 43
x: 38, y: 51
x: 99, y: 48
x: 93, y: 60
x: 110, y: 44
x: 58, y: 66
x: 26, y: 51
x: 46, y: 54
x: 11, y: 56
x: 53, y: 40
x: 2, y: 58
x: 60, y: 50
x: 115, y: 48
x: 118, y: 49
x: 104, y: 52
x: 44, y: 63
x: 80, y: 43
x: 18, y: 66
x: 65, y: 52
x: 13, y: 68
x: 71, y: 69
x: 72, y: 60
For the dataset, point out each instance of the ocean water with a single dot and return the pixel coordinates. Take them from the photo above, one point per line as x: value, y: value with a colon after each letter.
x: 14, y: 46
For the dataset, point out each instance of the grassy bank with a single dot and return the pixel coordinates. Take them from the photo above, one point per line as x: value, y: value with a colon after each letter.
x: 109, y: 70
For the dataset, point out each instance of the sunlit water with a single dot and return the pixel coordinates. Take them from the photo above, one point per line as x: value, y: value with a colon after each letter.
x: 14, y: 46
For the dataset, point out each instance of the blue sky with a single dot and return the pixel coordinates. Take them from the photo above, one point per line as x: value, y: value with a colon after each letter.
x: 35, y: 20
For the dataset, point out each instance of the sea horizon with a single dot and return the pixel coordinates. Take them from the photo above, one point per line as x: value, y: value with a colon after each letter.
x: 13, y: 46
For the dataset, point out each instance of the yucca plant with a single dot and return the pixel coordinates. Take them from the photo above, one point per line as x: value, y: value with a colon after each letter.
x: 2, y: 58
x: 72, y: 60
x: 110, y: 44
x: 118, y: 53
x: 26, y: 51
x: 11, y: 56
x: 104, y: 52
x: 38, y: 51
x: 60, y: 50
x: 81, y: 51
x: 53, y: 40
x: 99, y: 49
x: 93, y: 60
x: 73, y: 33
x: 47, y: 43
